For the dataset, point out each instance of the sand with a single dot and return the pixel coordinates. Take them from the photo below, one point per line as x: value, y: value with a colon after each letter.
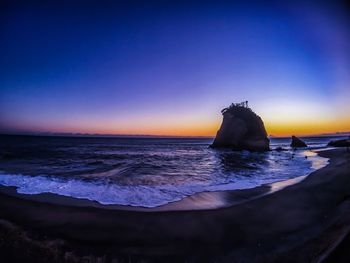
x: 305, y: 222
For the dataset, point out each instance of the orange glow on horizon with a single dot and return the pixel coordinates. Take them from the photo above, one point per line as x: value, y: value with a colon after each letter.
x: 305, y: 128
x: 209, y: 129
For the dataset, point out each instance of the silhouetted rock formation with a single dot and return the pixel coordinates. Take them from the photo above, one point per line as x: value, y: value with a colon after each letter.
x: 241, y: 129
x: 340, y: 143
x: 280, y: 149
x: 297, y: 143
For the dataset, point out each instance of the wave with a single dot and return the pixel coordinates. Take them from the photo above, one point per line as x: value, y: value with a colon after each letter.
x: 110, y: 193
x: 147, y: 172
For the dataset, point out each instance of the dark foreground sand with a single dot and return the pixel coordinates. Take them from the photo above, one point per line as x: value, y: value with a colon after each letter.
x: 305, y: 222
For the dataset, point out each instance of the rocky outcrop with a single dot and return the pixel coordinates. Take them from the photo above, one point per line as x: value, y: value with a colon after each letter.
x: 339, y: 143
x: 297, y: 143
x: 241, y: 129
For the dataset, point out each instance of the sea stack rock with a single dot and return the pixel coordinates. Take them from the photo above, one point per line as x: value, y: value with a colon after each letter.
x: 297, y: 143
x: 241, y: 129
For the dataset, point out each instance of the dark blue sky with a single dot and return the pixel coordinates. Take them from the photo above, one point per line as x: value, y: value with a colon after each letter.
x: 161, y: 67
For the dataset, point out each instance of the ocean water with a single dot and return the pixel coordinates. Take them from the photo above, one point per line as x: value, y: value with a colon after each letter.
x: 145, y: 172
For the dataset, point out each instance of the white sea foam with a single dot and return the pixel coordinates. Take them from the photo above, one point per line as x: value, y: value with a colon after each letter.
x: 144, y: 195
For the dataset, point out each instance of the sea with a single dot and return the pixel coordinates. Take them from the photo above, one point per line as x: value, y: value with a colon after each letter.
x: 145, y: 172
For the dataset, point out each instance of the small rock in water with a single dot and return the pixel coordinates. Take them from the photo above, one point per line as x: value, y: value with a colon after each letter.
x: 297, y: 143
x: 339, y: 143
x: 279, y: 149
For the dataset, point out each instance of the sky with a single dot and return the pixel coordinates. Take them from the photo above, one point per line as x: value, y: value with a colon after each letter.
x: 168, y: 68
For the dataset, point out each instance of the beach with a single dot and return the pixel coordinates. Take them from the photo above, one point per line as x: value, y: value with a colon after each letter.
x: 175, y: 131
x: 308, y: 220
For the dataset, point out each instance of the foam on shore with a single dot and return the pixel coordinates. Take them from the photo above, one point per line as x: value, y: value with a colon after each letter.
x: 107, y: 193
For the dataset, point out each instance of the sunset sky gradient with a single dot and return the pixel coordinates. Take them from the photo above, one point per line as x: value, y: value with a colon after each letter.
x: 168, y: 68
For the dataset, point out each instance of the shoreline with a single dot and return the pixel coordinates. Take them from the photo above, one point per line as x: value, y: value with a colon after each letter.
x: 206, y: 200
x: 306, y: 219
x: 209, y: 200
x: 198, y: 201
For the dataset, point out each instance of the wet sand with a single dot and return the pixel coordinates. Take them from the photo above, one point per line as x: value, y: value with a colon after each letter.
x: 309, y: 220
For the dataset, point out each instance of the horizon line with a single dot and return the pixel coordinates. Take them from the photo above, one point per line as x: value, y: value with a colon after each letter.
x: 80, y: 134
